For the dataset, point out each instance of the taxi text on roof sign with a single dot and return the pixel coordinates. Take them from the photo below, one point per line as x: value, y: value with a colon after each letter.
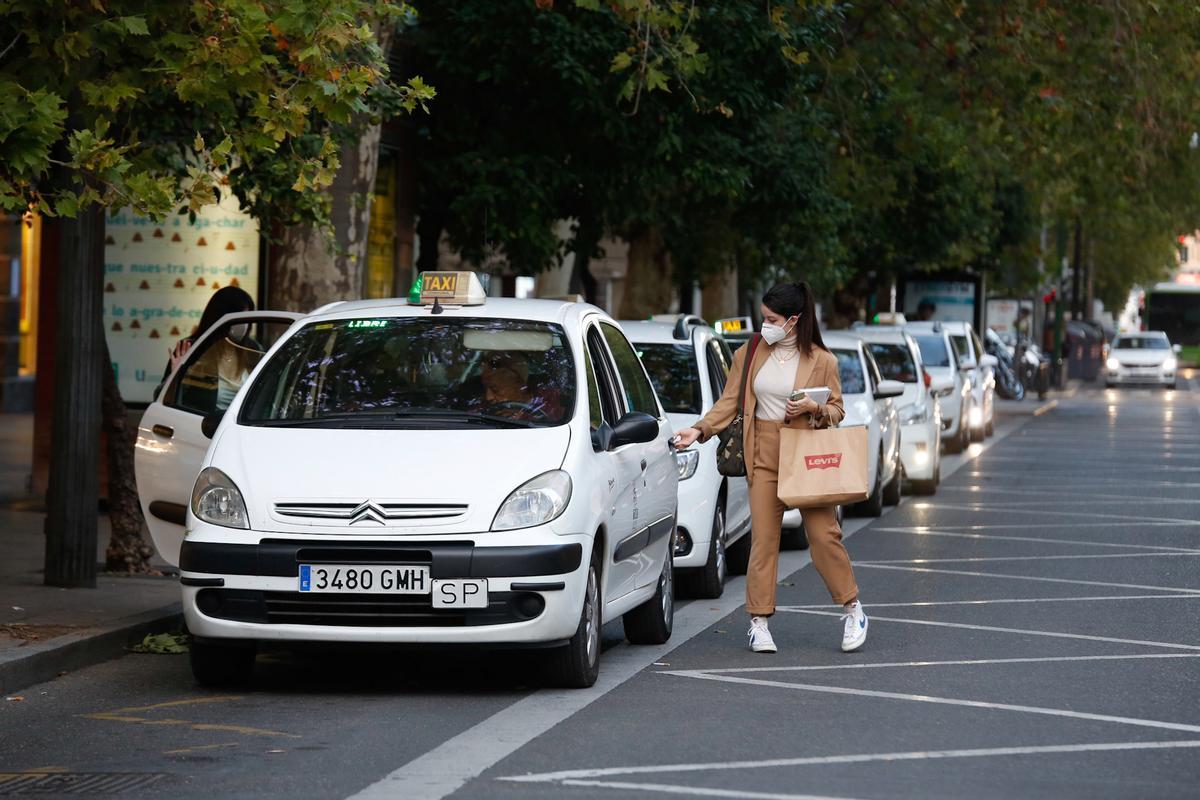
x: 733, y: 325
x: 451, y: 288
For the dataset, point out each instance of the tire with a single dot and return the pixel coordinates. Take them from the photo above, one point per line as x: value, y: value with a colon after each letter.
x: 708, y: 582
x: 955, y: 445
x: 576, y: 665
x: 1171, y: 386
x: 976, y: 435
x: 222, y: 663
x: 737, y: 555
x: 990, y: 428
x: 964, y: 435
x: 793, y: 538
x: 652, y: 621
x: 873, y: 505
x: 891, y: 492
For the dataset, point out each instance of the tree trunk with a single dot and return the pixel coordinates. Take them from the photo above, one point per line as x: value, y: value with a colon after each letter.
x: 127, y: 550
x: 648, y: 286
x: 719, y: 296
x: 73, y: 495
x: 307, y: 270
x: 587, y: 239
x: 1077, y: 273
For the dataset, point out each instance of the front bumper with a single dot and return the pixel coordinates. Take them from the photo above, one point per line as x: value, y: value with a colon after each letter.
x: 1152, y: 376
x: 251, y: 591
x: 919, y: 445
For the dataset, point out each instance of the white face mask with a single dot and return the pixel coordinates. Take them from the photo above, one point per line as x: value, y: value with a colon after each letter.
x: 238, y: 332
x: 773, y: 334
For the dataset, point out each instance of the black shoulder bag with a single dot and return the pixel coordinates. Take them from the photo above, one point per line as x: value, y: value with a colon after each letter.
x: 731, y: 456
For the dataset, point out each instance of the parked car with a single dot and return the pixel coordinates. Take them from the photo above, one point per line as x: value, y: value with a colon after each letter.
x: 1142, y: 358
x: 899, y: 359
x: 870, y: 401
x: 688, y: 363
x: 981, y: 367
x: 950, y: 381
x: 458, y: 470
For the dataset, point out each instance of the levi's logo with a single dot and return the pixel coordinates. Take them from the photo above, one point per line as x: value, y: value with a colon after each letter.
x: 826, y: 461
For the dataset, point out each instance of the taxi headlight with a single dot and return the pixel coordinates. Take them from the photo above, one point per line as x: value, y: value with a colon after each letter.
x: 537, y: 502
x: 914, y: 414
x: 216, y: 499
x: 1113, y: 364
x: 1169, y: 364
x: 687, y: 461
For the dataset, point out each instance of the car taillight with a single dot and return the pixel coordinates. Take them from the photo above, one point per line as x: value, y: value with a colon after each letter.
x: 928, y: 380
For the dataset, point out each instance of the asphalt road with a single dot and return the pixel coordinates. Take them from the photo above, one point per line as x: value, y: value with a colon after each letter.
x: 1035, y: 633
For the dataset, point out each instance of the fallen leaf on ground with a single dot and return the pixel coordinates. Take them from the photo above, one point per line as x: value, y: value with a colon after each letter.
x: 163, y: 644
x: 14, y: 698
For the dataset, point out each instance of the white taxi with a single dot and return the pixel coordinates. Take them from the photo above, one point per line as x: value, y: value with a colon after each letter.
x: 456, y: 470
x: 688, y: 365
x: 1141, y: 358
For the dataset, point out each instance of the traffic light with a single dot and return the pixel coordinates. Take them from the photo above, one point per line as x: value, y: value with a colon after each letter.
x: 1050, y: 297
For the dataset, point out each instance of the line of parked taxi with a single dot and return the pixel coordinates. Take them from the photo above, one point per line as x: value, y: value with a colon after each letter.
x: 459, y: 469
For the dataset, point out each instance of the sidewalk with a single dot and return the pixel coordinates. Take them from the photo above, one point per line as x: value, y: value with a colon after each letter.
x: 47, y: 630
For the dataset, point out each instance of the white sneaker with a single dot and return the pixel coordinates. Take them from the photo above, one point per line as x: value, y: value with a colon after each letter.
x: 760, y: 637
x: 855, y: 632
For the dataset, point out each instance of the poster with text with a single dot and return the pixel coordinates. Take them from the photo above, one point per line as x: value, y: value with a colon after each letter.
x: 158, y: 278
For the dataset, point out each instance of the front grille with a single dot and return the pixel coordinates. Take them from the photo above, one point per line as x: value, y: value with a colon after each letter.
x: 379, y: 513
x: 379, y: 611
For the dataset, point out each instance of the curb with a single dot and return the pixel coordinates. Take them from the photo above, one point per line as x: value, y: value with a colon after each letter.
x: 43, y: 661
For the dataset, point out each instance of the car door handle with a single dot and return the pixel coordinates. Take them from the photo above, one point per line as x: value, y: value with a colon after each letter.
x: 165, y: 431
x: 643, y: 465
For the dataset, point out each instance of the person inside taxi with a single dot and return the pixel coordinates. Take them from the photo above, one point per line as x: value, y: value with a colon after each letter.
x: 789, y: 356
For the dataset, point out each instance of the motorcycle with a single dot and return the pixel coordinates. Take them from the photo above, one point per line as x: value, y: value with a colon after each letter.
x: 1008, y: 381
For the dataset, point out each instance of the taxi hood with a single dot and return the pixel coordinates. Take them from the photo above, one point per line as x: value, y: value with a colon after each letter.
x: 363, y: 482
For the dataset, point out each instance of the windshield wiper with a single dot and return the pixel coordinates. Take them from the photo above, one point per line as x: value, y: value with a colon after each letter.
x: 476, y: 417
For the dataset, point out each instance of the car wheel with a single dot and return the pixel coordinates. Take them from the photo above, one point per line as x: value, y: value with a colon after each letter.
x: 891, y: 492
x: 709, y: 581
x: 955, y: 445
x: 651, y: 622
x: 576, y: 665
x: 1171, y: 386
x: 737, y: 555
x: 873, y: 505
x: 989, y: 427
x: 222, y: 663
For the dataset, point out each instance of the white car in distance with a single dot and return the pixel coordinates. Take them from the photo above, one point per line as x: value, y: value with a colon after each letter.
x: 950, y: 382
x: 1141, y: 359
x: 870, y: 401
x: 458, y: 470
x: 981, y: 368
x: 899, y: 359
x: 688, y: 363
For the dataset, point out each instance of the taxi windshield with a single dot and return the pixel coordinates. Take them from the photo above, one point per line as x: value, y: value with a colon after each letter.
x: 416, y: 373
x: 1141, y: 343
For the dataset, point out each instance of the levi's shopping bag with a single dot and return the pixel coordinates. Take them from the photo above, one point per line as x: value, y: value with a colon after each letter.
x: 824, y: 467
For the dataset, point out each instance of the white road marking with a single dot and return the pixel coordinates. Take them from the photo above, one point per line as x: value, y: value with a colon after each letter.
x: 951, y: 701
x: 696, y: 791
x: 1025, y: 526
x: 1055, y: 557
x: 925, y: 531
x: 1041, y: 512
x: 966, y: 662
x: 1007, y: 576
x: 997, y: 629
x: 1001, y: 601
x: 853, y: 758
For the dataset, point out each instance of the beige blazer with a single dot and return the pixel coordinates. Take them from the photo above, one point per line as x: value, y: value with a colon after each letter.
x: 818, y: 369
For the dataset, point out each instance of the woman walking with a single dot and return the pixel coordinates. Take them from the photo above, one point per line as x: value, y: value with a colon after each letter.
x: 789, y: 356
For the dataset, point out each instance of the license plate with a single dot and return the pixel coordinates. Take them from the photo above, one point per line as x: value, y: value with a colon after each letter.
x: 460, y: 593
x: 365, y: 579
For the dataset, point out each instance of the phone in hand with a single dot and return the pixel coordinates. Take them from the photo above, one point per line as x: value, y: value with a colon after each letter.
x: 799, y: 394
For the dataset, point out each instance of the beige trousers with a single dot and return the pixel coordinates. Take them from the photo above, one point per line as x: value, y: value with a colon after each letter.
x: 829, y: 555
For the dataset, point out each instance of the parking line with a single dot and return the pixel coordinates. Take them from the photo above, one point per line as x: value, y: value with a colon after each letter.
x: 971, y: 573
x: 855, y: 758
x: 924, y: 531
x: 998, y: 629
x: 925, y: 504
x: 952, y: 701
x: 696, y: 791
x: 1002, y: 601
x: 1058, y: 557
x: 965, y: 662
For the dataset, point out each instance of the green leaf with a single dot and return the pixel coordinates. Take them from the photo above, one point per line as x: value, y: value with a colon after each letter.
x: 163, y: 644
x: 135, y: 25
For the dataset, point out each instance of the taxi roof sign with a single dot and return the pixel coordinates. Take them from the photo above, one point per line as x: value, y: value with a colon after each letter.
x: 733, y: 325
x: 448, y: 288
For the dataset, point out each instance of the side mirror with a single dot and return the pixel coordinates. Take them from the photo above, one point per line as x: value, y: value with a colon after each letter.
x: 939, y: 385
x: 888, y: 389
x: 966, y: 366
x: 1178, y: 348
x: 989, y: 361
x: 635, y: 427
x: 208, y: 425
